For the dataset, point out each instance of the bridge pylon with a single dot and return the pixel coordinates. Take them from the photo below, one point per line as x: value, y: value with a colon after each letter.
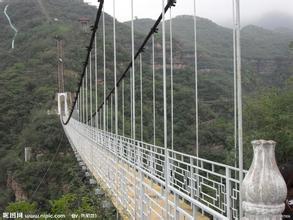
x: 62, y: 103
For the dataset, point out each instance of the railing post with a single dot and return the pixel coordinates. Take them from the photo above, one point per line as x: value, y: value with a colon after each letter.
x: 141, y: 190
x: 176, y: 201
x: 228, y: 193
x: 263, y: 189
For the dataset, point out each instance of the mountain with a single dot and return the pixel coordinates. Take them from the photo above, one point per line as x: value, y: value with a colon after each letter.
x: 275, y: 20
x: 262, y: 43
x: 28, y: 87
x: 215, y: 38
x: 142, y: 25
x: 28, y: 107
x: 265, y: 52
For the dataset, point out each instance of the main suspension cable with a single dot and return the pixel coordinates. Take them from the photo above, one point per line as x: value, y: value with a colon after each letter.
x: 95, y: 28
x: 100, y: 13
x: 128, y: 69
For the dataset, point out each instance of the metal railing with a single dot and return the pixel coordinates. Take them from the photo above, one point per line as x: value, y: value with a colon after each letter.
x: 134, y: 173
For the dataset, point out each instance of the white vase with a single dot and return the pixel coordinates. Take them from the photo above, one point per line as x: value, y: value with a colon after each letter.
x: 263, y: 189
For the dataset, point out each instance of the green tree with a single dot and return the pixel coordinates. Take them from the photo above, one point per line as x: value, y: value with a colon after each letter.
x: 269, y: 116
x: 291, y: 45
x: 86, y: 206
x: 21, y: 206
x: 71, y: 202
x: 64, y: 205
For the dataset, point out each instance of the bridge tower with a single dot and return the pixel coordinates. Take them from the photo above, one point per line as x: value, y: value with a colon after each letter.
x: 60, y: 60
x: 62, y: 104
x: 84, y: 21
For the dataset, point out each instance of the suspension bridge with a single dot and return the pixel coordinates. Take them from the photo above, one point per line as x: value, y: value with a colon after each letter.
x: 145, y: 180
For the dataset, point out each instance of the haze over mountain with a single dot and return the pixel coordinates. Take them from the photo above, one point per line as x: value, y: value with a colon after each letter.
x: 257, y: 42
x: 275, y: 20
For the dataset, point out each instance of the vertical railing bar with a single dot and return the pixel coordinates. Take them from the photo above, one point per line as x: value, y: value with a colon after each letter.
x: 104, y: 66
x: 91, y: 90
x: 86, y: 97
x: 228, y: 194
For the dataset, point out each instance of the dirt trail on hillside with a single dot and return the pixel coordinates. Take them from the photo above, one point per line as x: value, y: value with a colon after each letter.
x: 11, y: 25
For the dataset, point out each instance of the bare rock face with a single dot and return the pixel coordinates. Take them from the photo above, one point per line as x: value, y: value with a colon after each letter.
x: 263, y: 189
x: 19, y: 194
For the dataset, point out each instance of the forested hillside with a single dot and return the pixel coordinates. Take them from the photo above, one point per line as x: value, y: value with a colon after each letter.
x: 28, y: 86
x: 267, y: 70
x: 28, y: 106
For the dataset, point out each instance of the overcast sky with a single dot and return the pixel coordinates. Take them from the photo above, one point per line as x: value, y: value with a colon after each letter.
x: 219, y: 11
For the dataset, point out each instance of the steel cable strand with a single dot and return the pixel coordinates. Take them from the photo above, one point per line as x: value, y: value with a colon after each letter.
x: 50, y: 165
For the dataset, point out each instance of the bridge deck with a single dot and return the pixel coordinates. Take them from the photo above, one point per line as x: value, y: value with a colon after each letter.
x: 158, y: 202
x: 154, y: 193
x: 133, y: 174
